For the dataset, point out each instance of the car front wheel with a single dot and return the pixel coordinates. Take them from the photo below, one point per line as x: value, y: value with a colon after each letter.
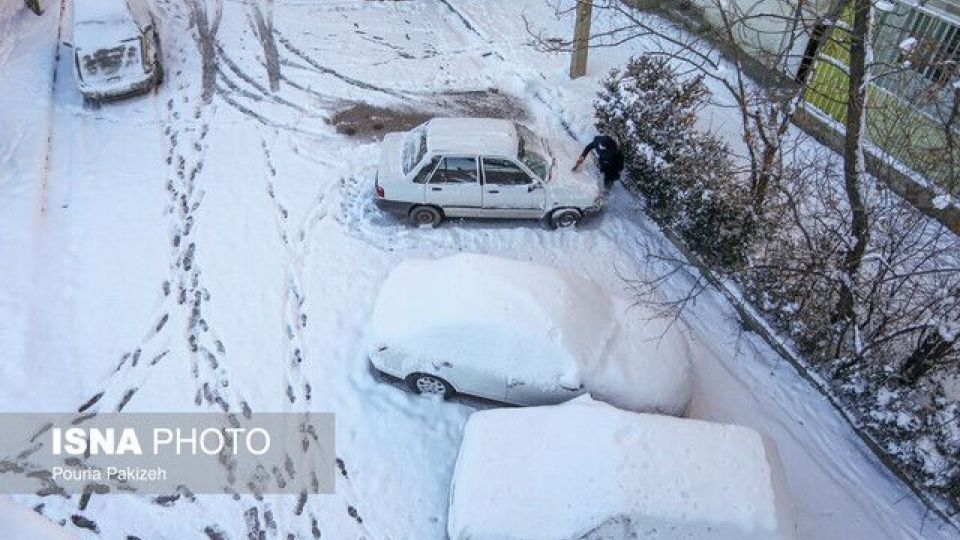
x: 431, y: 385
x: 428, y: 216
x: 564, y: 218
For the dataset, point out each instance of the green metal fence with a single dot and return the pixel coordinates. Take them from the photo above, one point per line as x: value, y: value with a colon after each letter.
x: 913, y: 88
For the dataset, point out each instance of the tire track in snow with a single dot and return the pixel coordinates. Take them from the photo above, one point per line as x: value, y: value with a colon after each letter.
x: 264, y: 29
x: 334, y: 73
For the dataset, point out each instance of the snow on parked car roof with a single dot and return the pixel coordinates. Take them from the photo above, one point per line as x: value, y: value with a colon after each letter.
x: 106, y: 22
x: 451, y: 307
x: 585, y: 469
x: 472, y: 136
x: 23, y: 523
x: 535, y: 324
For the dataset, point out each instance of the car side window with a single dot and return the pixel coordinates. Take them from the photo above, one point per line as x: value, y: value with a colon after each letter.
x: 424, y: 173
x: 456, y: 170
x: 503, y: 172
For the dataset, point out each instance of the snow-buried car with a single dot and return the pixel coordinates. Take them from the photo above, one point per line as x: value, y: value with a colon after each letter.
x: 587, y: 471
x: 116, y: 48
x: 524, y: 334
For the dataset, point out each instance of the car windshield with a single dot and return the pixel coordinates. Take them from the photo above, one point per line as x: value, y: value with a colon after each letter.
x: 530, y: 154
x: 414, y: 148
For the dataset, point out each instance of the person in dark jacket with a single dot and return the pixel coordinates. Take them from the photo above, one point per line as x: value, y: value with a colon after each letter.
x: 34, y: 6
x: 609, y: 158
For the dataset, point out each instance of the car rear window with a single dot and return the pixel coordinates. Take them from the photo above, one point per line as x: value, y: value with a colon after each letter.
x: 108, y: 61
x: 414, y: 149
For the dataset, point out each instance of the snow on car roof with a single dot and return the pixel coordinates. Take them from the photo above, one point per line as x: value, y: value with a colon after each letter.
x: 23, y: 522
x: 472, y: 136
x: 100, y: 11
x: 582, y: 467
x: 105, y: 22
x: 452, y: 306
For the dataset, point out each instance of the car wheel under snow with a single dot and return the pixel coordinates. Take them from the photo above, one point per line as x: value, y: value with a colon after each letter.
x: 425, y: 216
x: 431, y: 385
x: 565, y: 217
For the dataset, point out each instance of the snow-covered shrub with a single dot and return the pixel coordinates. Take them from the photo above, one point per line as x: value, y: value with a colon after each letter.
x: 895, y: 361
x: 651, y: 111
x: 685, y: 175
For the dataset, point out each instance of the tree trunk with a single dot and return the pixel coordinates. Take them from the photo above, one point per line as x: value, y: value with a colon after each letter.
x: 861, y: 56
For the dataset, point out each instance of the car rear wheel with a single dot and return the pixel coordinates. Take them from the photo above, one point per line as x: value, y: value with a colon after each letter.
x: 428, y: 216
x: 431, y: 385
x: 564, y: 218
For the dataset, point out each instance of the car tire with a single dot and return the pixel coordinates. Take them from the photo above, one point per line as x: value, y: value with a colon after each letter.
x: 425, y: 383
x: 425, y: 216
x: 564, y: 218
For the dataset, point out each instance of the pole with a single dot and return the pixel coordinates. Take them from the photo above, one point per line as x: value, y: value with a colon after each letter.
x: 581, y: 39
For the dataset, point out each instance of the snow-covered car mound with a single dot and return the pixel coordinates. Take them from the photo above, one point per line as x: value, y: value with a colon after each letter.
x: 526, y: 334
x: 22, y: 523
x: 588, y: 471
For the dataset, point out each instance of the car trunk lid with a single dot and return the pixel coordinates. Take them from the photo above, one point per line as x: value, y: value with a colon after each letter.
x: 391, y: 158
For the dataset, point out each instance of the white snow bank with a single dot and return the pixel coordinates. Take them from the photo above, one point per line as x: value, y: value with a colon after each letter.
x: 21, y: 523
x: 536, y: 323
x: 586, y: 470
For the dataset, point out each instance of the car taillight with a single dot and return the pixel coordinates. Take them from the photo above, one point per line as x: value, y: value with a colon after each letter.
x: 380, y: 191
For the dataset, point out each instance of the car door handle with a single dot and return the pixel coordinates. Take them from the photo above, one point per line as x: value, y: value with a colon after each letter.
x: 493, y: 191
x: 437, y: 189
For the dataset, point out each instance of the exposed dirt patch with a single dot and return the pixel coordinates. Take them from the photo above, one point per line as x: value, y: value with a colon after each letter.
x: 372, y: 121
x: 365, y: 120
x: 489, y: 103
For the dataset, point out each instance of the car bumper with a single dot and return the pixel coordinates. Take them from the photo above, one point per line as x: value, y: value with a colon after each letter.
x: 398, y: 208
x: 119, y: 90
x: 381, y: 375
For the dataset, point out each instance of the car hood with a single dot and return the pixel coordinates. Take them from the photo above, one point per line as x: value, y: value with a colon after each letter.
x: 565, y: 184
x: 579, y: 182
x: 391, y: 157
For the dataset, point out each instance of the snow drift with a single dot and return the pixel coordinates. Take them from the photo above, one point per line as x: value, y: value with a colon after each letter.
x: 531, y: 321
x: 586, y: 470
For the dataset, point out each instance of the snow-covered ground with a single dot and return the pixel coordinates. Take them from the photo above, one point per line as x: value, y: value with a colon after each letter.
x: 213, y: 244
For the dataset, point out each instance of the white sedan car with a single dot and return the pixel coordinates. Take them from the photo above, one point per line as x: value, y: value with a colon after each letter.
x: 525, y: 334
x: 480, y: 167
x: 116, y: 51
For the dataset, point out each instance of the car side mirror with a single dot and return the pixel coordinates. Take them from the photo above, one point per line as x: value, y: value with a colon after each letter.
x: 533, y: 187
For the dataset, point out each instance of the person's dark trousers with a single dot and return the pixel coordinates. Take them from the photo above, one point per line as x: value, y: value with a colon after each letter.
x: 34, y: 6
x: 609, y: 177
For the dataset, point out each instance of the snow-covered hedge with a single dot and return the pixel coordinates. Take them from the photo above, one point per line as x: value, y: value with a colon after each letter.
x: 685, y: 174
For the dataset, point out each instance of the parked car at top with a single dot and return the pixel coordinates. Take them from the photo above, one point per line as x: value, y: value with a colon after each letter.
x: 116, y: 50
x: 480, y: 167
x: 524, y: 334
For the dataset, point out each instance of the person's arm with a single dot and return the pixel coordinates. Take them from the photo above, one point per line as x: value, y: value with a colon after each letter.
x: 586, y: 151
